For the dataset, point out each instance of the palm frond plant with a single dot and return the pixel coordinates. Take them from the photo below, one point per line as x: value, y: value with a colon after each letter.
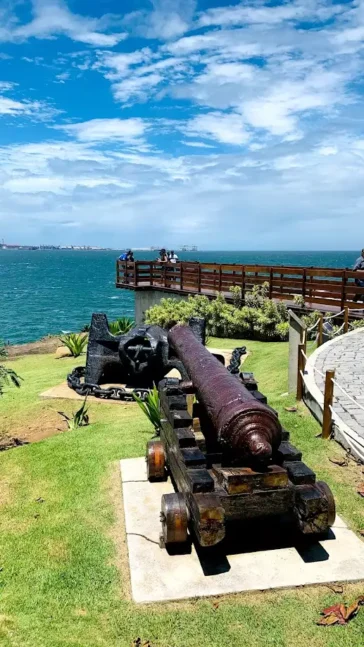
x: 7, y: 375
x: 78, y: 419
x: 121, y: 326
x: 151, y: 408
x: 75, y: 343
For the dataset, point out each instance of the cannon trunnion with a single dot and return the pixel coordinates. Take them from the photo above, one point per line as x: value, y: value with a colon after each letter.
x: 227, y: 455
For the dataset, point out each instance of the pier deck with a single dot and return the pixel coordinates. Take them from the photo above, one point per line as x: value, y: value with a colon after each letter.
x: 322, y: 288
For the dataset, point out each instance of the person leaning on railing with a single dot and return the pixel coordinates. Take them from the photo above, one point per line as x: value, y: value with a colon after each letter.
x: 359, y: 265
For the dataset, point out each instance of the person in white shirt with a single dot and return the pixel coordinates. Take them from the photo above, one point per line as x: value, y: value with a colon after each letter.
x: 172, y: 257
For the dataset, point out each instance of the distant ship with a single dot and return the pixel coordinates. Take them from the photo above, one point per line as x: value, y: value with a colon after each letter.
x: 189, y: 248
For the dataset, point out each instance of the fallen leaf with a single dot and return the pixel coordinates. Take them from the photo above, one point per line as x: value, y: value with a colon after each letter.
x: 291, y: 409
x: 216, y: 605
x: 343, y: 462
x: 138, y: 642
x: 360, y: 489
x: 328, y: 620
x: 39, y: 500
x: 335, y: 588
x: 351, y: 611
x: 339, y: 613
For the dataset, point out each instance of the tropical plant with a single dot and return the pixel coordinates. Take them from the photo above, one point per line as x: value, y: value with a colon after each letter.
x: 121, y: 326
x: 76, y: 343
x: 151, y: 408
x: 299, y: 300
x: 7, y: 375
x: 260, y: 317
x: 78, y: 419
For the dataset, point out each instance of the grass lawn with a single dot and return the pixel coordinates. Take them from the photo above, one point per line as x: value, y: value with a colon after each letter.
x: 63, y: 566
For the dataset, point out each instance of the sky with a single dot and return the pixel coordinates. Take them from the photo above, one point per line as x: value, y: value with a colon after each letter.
x: 228, y: 125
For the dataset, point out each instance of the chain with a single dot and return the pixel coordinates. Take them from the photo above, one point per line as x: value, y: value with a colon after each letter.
x: 112, y: 393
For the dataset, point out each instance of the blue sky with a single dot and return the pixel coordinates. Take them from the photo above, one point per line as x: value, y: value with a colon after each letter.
x: 230, y: 125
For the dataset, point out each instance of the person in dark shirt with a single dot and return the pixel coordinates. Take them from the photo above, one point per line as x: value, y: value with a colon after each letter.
x: 359, y: 265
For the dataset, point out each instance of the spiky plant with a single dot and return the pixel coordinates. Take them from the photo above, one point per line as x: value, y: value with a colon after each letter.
x: 7, y: 375
x: 75, y: 343
x: 151, y: 408
x: 78, y: 419
x: 121, y: 326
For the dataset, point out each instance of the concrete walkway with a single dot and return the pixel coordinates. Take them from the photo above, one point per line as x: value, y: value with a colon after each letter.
x: 345, y: 354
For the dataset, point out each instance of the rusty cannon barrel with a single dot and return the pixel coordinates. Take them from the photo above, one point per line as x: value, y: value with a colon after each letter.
x: 246, y: 428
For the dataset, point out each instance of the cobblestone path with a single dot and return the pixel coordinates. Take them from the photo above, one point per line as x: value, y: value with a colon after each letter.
x: 346, y: 356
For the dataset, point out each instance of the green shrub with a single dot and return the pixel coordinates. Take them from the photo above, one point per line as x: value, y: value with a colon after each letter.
x: 359, y: 323
x: 299, y: 300
x: 260, y: 317
x: 121, y: 326
x: 75, y: 343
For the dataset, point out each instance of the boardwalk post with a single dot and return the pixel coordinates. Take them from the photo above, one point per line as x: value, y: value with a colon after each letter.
x: 297, y: 334
x: 136, y: 277
x: 151, y: 278
x: 328, y: 400
x: 199, y: 278
x: 344, y: 281
x: 346, y: 319
x: 320, y: 331
x: 300, y: 369
x: 270, y: 282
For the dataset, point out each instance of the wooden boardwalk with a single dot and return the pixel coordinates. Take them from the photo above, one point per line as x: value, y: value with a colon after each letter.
x: 322, y: 288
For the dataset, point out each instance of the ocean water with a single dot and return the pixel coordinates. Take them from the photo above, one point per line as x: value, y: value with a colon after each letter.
x: 46, y: 292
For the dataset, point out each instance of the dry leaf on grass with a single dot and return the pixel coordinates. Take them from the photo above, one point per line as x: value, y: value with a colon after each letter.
x: 343, y: 462
x: 138, y: 642
x: 291, y: 409
x: 339, y: 613
x: 360, y: 489
x: 336, y: 588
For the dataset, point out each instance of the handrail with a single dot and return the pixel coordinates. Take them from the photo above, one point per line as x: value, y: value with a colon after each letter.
x: 327, y: 287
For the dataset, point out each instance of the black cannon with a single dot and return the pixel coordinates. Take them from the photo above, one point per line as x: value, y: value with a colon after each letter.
x: 228, y: 456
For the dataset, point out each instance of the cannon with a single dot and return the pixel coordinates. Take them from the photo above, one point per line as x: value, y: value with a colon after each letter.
x: 138, y: 359
x: 227, y: 454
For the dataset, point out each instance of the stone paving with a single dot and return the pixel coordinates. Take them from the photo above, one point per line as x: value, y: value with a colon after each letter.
x: 346, y: 356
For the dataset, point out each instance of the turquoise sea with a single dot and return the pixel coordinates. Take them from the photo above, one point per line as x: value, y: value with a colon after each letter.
x: 43, y: 292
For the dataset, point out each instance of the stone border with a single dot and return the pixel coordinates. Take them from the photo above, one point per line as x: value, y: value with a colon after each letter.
x: 314, y: 399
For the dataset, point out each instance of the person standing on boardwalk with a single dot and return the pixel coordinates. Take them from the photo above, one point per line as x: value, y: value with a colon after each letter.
x: 172, y: 257
x: 359, y: 265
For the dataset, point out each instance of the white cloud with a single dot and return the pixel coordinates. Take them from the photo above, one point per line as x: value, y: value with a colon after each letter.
x: 98, y: 130
x: 266, y: 14
x: 167, y: 20
x: 52, y: 18
x: 196, y: 144
x: 224, y: 128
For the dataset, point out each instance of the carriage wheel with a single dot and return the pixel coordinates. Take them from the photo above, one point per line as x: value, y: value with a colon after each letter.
x: 174, y: 518
x: 324, y: 488
x: 156, y: 461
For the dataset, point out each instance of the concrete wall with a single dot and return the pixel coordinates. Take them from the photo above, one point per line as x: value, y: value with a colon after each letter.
x: 145, y: 299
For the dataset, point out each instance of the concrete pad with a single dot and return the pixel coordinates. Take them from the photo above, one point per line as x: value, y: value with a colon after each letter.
x: 158, y: 576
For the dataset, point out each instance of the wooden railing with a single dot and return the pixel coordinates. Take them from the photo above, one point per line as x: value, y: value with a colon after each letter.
x: 321, y: 286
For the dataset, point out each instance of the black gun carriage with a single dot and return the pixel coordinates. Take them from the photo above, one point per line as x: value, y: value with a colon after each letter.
x: 228, y: 456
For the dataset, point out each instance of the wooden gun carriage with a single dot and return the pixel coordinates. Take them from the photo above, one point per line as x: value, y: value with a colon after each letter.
x: 228, y: 456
